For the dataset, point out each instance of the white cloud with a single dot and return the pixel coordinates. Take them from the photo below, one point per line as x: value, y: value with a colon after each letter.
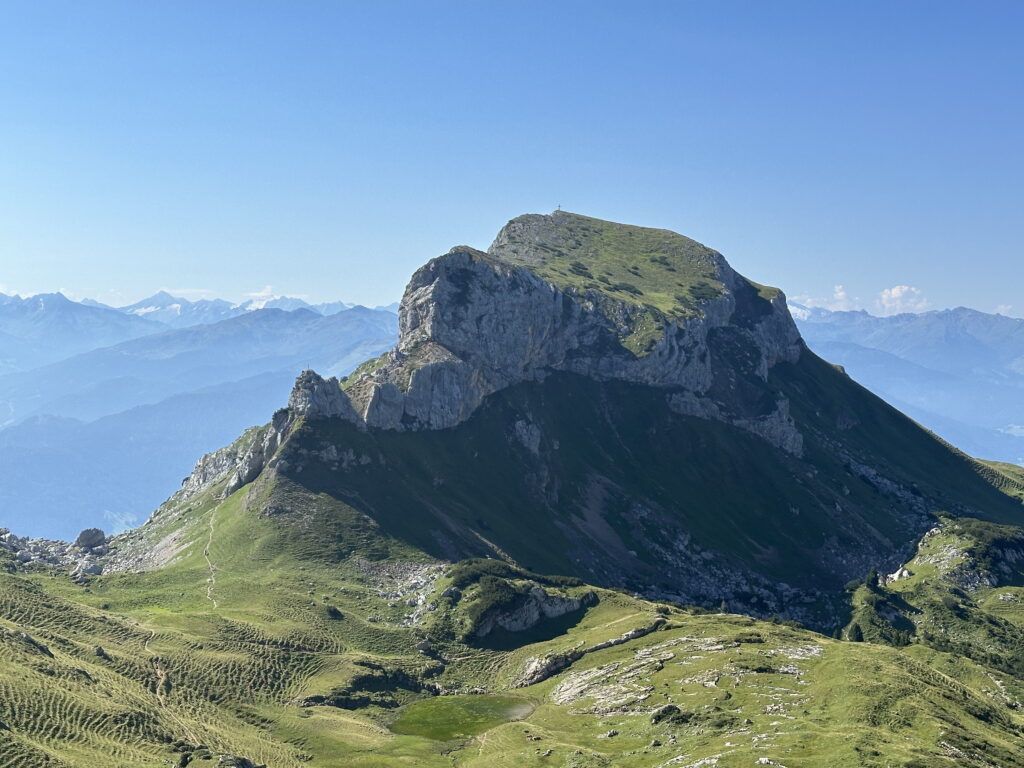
x: 900, y: 299
x: 1004, y: 309
x: 266, y: 292
x: 840, y: 301
x: 10, y: 290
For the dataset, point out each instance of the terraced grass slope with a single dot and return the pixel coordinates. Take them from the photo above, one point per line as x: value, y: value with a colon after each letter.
x: 257, y: 645
x: 1009, y: 478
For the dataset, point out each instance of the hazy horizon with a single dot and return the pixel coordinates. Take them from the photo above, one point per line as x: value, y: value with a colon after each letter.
x: 889, y: 302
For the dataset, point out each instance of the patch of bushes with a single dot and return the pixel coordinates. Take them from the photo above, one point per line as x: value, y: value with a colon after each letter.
x: 703, y: 291
x: 467, y: 572
x: 378, y: 686
x: 749, y: 637
x: 579, y: 268
x: 627, y: 288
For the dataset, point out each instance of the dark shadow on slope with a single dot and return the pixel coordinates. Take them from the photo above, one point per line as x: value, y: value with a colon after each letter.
x: 499, y: 639
x: 601, y: 480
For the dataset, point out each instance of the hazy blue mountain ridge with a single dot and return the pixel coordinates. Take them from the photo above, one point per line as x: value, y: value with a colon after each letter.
x: 105, y: 435
x: 146, y: 370
x: 959, y: 372
x: 62, y: 474
x: 178, y: 312
x: 48, y: 327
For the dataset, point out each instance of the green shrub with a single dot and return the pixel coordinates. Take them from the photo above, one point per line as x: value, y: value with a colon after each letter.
x: 579, y: 268
x: 466, y: 572
x: 627, y: 288
x: 702, y: 291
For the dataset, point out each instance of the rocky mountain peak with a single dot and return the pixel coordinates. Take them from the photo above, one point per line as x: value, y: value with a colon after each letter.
x: 565, y: 292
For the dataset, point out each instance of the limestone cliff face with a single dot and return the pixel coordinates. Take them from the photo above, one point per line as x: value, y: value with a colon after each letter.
x: 535, y: 606
x: 313, y: 394
x: 473, y: 323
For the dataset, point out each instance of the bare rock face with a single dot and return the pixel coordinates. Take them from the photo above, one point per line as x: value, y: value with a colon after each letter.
x: 472, y: 323
x: 260, y: 452
x: 239, y: 462
x: 537, y: 606
x: 91, y: 538
x: 538, y: 669
x: 316, y: 397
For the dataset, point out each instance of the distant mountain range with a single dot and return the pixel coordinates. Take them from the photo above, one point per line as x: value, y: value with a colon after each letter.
x: 47, y: 327
x: 43, y: 329
x: 182, y: 313
x: 141, y: 391
x: 146, y: 370
x: 958, y: 372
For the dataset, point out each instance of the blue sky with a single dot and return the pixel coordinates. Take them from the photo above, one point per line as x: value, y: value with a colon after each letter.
x: 326, y: 149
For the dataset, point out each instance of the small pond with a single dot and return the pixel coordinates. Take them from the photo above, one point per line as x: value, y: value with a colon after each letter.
x: 457, y: 717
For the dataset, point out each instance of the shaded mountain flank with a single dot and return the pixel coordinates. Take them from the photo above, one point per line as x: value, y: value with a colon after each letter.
x: 617, y: 404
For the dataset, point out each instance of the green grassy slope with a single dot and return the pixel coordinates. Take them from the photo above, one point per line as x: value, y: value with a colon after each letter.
x: 962, y: 592
x: 306, y: 614
x: 306, y: 659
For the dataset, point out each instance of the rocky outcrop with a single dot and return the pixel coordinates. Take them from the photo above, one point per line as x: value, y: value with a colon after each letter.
x: 473, y: 323
x: 777, y: 427
x: 899, y: 574
x: 90, y: 538
x: 233, y: 761
x: 536, y: 606
x: 240, y: 462
x: 81, y: 559
x: 539, y: 669
x: 315, y: 397
x: 260, y: 451
x: 215, y: 466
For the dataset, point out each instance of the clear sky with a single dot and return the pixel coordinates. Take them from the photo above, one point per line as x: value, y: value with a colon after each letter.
x: 326, y: 149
